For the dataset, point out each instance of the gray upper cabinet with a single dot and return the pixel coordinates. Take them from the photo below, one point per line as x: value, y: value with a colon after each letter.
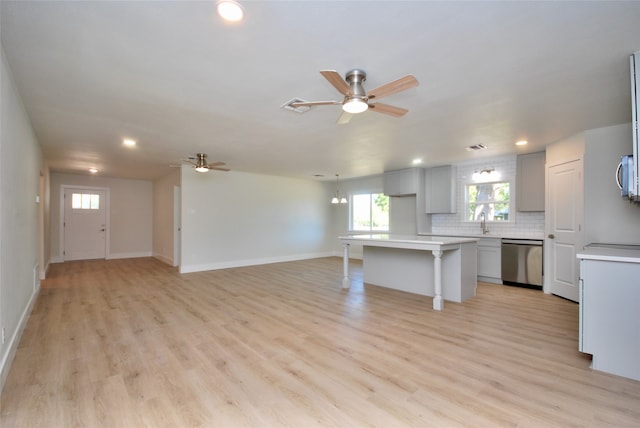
x: 530, y: 182
x: 401, y: 182
x: 440, y: 190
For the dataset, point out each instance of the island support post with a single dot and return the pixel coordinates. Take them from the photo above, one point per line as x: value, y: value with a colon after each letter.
x: 345, y: 265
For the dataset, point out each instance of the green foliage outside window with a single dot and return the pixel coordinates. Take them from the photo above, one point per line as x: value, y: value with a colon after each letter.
x: 490, y: 198
x: 370, y: 212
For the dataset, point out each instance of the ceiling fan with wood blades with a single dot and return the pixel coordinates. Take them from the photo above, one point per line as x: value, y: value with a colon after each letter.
x: 356, y: 99
x: 200, y: 163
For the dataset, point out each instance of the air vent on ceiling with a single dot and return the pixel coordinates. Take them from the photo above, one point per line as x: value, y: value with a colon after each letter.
x: 301, y: 109
x: 476, y: 147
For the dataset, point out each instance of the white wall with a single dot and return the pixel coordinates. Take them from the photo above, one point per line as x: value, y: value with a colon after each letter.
x: 163, y: 216
x: 130, y: 213
x: 608, y: 217
x: 20, y: 163
x: 236, y: 219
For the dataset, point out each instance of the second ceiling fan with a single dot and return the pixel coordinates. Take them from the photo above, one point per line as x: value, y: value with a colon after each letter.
x: 356, y: 99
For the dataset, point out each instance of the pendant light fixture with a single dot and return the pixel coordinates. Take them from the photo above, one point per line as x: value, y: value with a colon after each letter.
x: 337, y: 199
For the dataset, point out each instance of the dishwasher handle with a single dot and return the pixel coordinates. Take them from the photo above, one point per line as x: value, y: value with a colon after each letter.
x: 534, y: 242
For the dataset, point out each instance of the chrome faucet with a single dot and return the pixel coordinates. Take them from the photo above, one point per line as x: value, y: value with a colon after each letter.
x: 483, y: 223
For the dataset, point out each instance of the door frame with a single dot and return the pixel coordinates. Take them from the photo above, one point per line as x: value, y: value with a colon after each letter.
x: 107, y: 196
x: 177, y: 225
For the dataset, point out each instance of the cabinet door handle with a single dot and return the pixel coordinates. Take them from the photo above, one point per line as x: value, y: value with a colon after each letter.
x: 551, y: 236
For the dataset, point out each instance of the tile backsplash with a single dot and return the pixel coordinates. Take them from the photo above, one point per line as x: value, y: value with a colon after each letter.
x: 526, y: 224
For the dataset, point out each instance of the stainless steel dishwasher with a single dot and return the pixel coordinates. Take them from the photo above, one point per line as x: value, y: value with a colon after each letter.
x: 522, y: 262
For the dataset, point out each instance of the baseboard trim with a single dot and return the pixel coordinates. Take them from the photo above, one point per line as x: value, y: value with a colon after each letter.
x: 490, y: 280
x: 8, y: 357
x: 251, y: 262
x: 45, y: 271
x: 129, y: 255
x: 163, y: 259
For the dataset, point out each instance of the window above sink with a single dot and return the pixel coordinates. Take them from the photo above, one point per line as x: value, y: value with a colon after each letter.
x: 492, y: 199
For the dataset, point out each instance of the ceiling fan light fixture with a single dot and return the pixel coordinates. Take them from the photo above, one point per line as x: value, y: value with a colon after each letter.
x: 355, y: 106
x: 201, y: 163
x: 230, y: 10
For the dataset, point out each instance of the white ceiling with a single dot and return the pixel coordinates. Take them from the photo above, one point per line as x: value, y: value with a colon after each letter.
x: 177, y: 79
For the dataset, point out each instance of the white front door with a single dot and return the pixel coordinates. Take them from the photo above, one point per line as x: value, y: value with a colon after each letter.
x: 564, y: 227
x: 85, y: 224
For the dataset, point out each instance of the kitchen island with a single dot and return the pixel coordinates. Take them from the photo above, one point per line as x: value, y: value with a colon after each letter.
x: 444, y: 268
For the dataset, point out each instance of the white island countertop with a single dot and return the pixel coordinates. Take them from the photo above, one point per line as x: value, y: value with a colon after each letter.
x: 407, y: 241
x: 611, y: 254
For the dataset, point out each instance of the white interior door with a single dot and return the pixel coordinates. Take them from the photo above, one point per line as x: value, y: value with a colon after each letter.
x: 85, y: 224
x: 564, y: 227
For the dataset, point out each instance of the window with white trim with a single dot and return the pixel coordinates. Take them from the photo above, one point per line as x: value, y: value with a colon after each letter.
x: 492, y: 199
x: 369, y: 212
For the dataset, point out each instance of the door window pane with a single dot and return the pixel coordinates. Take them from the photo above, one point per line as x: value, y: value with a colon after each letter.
x: 85, y: 201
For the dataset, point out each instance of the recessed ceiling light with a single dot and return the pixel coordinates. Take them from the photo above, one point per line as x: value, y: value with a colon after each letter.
x: 129, y: 142
x: 416, y: 161
x: 93, y: 170
x: 521, y: 143
x: 230, y: 10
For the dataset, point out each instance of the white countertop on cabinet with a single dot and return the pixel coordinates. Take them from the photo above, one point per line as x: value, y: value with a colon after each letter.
x: 488, y: 235
x: 611, y: 254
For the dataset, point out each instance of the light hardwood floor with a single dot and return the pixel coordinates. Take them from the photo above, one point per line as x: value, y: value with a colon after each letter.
x: 132, y: 343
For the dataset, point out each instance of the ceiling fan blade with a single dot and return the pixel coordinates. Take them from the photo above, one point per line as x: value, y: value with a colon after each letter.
x: 215, y: 164
x: 344, y: 118
x: 337, y: 81
x: 401, y: 84
x: 388, y: 109
x: 218, y: 168
x: 315, y: 103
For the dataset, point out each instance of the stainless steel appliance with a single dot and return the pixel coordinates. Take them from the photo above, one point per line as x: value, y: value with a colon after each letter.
x: 628, y: 174
x: 626, y: 178
x: 522, y: 262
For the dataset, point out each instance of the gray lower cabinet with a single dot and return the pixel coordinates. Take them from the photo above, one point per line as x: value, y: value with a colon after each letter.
x: 490, y: 260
